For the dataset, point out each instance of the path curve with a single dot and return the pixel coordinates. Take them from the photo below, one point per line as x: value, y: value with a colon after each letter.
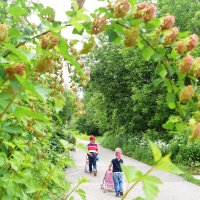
x: 173, y: 188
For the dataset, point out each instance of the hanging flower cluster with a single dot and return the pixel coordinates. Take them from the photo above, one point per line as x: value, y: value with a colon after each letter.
x: 121, y: 8
x: 15, y: 69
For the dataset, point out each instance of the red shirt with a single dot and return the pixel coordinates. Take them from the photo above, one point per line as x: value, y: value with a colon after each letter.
x: 92, y: 148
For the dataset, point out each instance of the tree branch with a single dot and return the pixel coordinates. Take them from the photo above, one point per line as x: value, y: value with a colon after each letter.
x: 80, y: 3
x: 50, y: 175
x: 23, y: 43
x: 11, y: 101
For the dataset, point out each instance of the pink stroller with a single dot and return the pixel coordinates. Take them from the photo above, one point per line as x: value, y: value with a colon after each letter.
x: 87, y: 165
x: 107, y: 181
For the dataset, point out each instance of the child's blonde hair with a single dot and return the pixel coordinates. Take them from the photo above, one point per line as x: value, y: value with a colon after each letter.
x: 118, y: 152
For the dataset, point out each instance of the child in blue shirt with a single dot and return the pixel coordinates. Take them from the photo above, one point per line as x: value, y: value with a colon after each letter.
x: 117, y: 172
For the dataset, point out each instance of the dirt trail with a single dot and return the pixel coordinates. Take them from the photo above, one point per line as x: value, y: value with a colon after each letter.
x: 173, y: 187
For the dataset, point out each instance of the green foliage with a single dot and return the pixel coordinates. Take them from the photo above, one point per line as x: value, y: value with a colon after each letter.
x: 186, y: 13
x: 68, y: 109
x: 156, y: 152
x: 31, y: 87
x: 59, y: 133
x: 122, y: 82
x: 34, y: 145
x: 187, y: 154
x: 150, y: 183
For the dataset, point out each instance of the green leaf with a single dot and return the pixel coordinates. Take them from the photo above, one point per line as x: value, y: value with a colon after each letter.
x: 70, y: 13
x: 13, y: 32
x: 78, y: 20
x: 4, y: 99
x: 150, y: 186
x: 156, y: 151
x: 81, y: 193
x: 140, y: 43
x: 157, y: 81
x: 27, y: 85
x: 5, y: 197
x: 32, y: 185
x: 154, y: 23
x: 23, y: 112
x: 160, y: 70
x: 171, y: 100
x: 10, y: 144
x: 153, y: 180
x: 14, y: 165
x: 65, y: 144
x: 131, y: 173
x: 78, y: 32
x: 3, y: 60
x: 166, y: 165
x: 174, y: 54
x: 147, y: 53
x: 135, y: 22
x: 62, y: 48
x: 18, y: 52
x: 132, y: 2
x: 71, y: 198
x: 183, y: 34
x: 180, y: 127
x: 11, y: 128
x: 168, y: 125
x: 3, y: 158
x: 16, y: 11
x: 112, y: 35
x: 82, y: 180
x: 47, y: 11
x: 69, y: 162
x: 75, y: 5
x: 103, y: 10
x: 59, y: 104
x: 150, y: 190
x: 174, y: 119
x: 42, y: 91
x: 82, y: 147
x: 12, y: 188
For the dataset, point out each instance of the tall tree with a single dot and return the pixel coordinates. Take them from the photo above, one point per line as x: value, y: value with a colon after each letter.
x: 187, y: 13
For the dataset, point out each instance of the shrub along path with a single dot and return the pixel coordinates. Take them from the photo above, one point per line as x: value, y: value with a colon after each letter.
x: 173, y: 187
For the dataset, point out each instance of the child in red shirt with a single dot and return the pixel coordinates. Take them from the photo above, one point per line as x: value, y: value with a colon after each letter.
x: 92, y: 155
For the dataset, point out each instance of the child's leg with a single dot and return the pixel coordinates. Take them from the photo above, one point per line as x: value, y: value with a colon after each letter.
x: 116, y: 183
x: 90, y: 163
x: 121, y: 183
x: 94, y: 164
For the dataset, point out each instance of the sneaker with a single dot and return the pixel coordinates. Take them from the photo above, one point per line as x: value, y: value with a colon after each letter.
x: 121, y: 193
x: 117, y: 195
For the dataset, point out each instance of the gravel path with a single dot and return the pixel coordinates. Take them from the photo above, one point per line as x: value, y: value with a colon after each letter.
x: 173, y: 188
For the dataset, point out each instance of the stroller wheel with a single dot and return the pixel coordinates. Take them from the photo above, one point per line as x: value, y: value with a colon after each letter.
x: 103, y: 188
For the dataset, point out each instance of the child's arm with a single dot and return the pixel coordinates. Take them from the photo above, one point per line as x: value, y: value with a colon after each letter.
x: 110, y: 166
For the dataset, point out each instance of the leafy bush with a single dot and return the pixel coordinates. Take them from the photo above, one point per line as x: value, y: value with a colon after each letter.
x: 85, y: 125
x: 190, y: 154
x: 182, y: 153
x: 59, y: 133
x: 133, y: 147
